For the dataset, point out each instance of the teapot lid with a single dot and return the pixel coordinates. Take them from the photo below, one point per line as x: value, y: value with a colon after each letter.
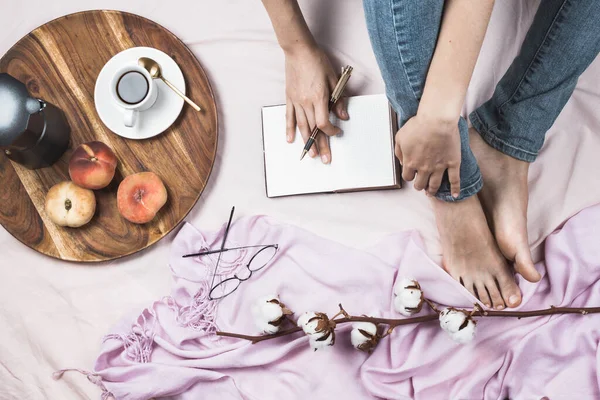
x: 16, y: 105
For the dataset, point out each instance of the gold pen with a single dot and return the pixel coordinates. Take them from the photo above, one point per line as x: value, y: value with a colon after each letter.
x: 335, y: 96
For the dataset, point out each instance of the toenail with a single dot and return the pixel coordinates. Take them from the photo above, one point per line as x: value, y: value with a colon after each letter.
x: 514, y: 299
x: 499, y: 307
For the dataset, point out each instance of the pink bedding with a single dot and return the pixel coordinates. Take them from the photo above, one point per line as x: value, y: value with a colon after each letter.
x: 54, y: 314
x: 554, y: 356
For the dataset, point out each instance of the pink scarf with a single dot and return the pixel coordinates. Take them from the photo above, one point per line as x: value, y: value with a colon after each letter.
x: 170, y: 348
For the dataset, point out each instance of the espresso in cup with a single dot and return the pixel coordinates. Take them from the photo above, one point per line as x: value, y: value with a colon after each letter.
x: 134, y: 91
x: 132, y: 87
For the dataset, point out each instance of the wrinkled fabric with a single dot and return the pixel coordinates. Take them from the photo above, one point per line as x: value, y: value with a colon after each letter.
x: 554, y: 356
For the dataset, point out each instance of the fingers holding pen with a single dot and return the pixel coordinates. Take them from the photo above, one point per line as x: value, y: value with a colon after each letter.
x: 340, y: 108
x: 305, y: 128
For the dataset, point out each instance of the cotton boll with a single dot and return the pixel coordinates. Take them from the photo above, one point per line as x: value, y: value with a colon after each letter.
x: 266, y: 327
x: 409, y: 297
x: 404, y: 283
x: 272, y: 311
x: 401, y: 308
x: 267, y: 307
x: 460, y: 326
x: 269, y: 313
x: 451, y: 319
x: 466, y: 334
x: 308, y: 322
x: 316, y: 344
x: 319, y: 329
x: 362, y: 333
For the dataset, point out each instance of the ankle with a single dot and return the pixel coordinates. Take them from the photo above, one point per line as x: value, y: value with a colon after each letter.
x: 458, y: 216
x: 441, y: 206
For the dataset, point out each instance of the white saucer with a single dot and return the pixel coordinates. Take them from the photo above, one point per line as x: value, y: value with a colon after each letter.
x: 160, y: 116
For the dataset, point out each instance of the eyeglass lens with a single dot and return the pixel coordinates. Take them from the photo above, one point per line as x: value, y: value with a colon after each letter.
x: 262, y: 258
x: 225, y: 288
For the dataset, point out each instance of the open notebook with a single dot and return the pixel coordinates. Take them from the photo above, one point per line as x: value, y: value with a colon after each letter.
x: 362, y: 155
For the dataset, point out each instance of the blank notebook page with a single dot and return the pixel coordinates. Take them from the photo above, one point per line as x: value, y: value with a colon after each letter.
x: 362, y: 155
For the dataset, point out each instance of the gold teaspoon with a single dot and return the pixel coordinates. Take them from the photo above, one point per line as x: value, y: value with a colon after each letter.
x: 155, y: 72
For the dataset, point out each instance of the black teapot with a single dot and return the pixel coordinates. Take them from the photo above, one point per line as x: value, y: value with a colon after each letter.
x: 33, y: 132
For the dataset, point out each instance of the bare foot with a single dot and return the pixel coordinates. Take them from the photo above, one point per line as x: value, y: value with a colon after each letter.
x: 504, y: 199
x: 471, y: 255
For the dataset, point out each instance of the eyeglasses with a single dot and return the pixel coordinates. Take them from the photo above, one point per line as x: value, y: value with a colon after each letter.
x: 259, y: 260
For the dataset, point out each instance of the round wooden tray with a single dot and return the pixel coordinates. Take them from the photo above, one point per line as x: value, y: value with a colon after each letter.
x: 59, y: 62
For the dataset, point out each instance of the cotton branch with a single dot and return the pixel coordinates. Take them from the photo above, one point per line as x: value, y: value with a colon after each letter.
x: 393, y: 323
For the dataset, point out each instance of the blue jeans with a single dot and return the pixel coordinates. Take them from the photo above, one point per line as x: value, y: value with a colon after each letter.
x: 562, y: 41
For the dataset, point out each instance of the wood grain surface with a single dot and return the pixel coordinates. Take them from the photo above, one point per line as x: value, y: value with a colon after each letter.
x: 59, y: 62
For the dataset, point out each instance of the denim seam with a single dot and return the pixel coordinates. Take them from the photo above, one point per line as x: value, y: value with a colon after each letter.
x: 486, y: 133
x: 534, y: 57
x: 464, y: 192
x: 412, y: 89
x: 473, y: 184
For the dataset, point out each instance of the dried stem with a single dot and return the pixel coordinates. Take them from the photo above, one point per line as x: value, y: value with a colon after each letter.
x: 392, y: 323
x: 344, y: 313
x: 388, y: 332
x: 256, y: 339
x: 538, y: 313
x: 476, y: 309
x: 431, y: 305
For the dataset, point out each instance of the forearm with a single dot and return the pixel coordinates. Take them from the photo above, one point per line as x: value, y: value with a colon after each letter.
x: 289, y: 24
x: 461, y: 35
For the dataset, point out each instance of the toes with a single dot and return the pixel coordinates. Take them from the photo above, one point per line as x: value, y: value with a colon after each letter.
x: 468, y: 284
x: 524, y: 265
x: 509, y: 289
x: 483, y: 295
x: 495, y: 296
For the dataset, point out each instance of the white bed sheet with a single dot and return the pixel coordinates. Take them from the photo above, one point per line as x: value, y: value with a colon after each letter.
x: 53, y: 314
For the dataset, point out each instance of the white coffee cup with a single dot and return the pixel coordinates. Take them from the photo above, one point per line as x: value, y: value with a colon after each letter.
x: 133, y: 92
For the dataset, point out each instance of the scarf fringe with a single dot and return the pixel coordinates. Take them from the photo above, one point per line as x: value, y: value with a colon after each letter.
x: 139, y: 342
x: 92, y: 377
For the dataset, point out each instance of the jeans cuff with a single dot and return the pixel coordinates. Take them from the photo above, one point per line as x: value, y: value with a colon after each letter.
x: 499, y: 144
x: 469, y: 190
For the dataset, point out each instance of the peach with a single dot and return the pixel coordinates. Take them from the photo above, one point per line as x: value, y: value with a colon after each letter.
x: 92, y: 165
x: 70, y: 205
x: 140, y: 196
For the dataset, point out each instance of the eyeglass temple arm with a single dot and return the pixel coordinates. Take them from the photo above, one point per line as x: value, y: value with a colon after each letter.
x: 205, y: 253
x: 212, y: 282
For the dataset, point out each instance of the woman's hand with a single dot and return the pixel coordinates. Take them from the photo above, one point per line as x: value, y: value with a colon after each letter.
x: 429, y: 143
x: 426, y: 148
x: 310, y: 79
